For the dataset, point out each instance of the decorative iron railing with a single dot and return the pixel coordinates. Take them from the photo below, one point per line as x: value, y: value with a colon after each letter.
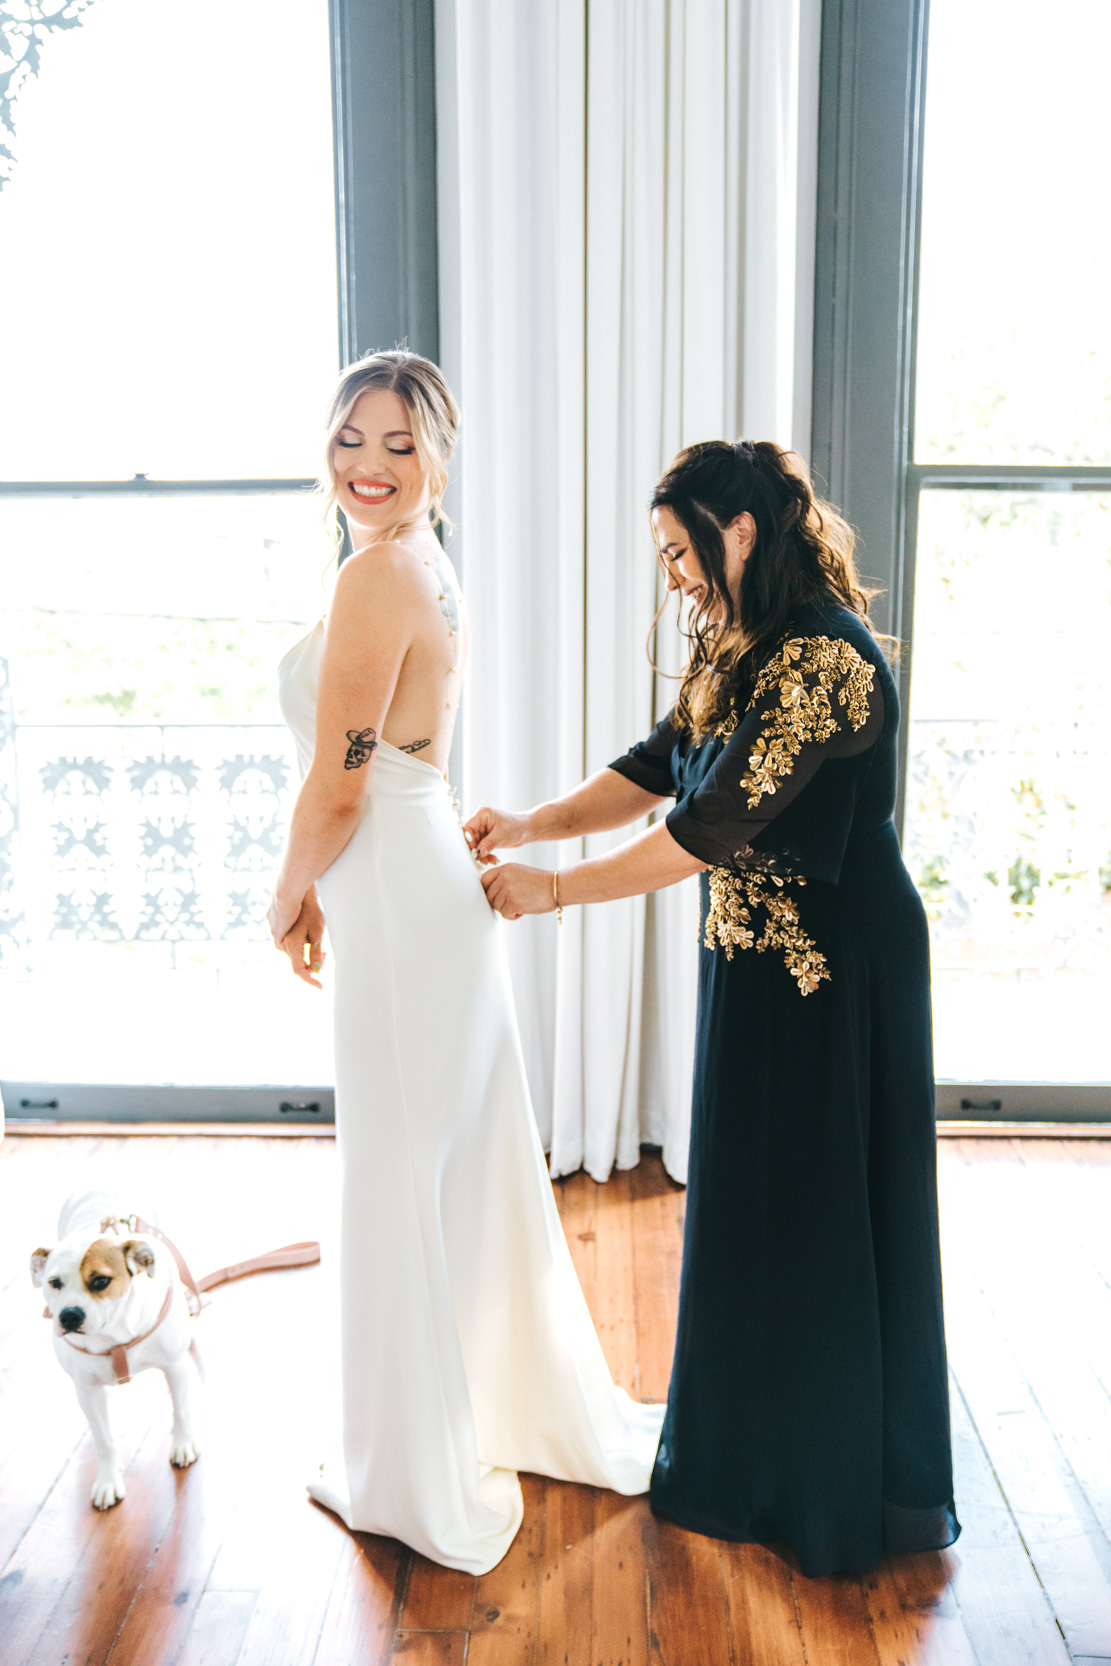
x: 150, y: 832
x: 1009, y: 841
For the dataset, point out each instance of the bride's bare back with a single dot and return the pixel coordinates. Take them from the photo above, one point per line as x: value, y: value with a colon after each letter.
x: 392, y: 663
x: 421, y: 715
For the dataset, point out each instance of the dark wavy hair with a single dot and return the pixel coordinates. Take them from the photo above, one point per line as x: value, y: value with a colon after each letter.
x: 803, y: 553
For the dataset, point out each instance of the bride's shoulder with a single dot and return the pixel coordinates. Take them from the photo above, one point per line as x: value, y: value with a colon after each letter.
x: 383, y: 575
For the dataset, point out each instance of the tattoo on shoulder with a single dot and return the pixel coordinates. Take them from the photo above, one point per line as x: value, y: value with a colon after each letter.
x: 415, y: 746
x: 449, y: 594
x: 363, y: 743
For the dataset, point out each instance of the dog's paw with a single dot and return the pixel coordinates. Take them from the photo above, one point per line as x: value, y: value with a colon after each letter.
x: 108, y: 1490
x: 183, y: 1452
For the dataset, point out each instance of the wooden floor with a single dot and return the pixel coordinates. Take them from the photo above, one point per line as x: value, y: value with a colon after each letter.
x: 228, y: 1564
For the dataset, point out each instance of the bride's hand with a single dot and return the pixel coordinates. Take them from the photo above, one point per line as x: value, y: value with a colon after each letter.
x: 490, y: 830
x: 514, y: 890
x: 301, y: 937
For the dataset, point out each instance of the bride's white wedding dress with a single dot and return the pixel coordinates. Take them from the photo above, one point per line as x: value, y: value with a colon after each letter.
x: 468, y: 1352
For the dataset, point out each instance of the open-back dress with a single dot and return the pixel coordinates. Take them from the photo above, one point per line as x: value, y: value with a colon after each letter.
x: 809, y: 1396
x: 468, y: 1351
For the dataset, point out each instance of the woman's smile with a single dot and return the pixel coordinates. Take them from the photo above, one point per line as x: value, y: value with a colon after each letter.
x: 698, y: 595
x: 373, y: 491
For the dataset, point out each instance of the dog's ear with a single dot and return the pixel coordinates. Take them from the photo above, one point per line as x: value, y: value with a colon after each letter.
x: 38, y: 1266
x: 138, y: 1256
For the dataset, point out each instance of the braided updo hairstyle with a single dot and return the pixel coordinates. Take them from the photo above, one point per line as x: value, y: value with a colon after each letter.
x: 803, y: 553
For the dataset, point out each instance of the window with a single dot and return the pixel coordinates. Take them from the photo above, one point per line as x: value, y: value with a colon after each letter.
x: 170, y: 304
x: 962, y: 260
x: 169, y: 234
x: 1008, y: 820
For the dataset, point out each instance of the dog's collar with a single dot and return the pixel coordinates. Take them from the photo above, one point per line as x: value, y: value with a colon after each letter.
x: 119, y: 1349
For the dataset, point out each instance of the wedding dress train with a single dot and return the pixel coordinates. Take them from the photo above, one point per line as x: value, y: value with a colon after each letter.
x: 468, y: 1352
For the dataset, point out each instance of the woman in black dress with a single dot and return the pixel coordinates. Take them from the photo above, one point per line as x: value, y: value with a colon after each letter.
x: 809, y: 1397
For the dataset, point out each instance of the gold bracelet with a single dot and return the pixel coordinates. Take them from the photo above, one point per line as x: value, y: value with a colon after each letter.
x: 555, y: 896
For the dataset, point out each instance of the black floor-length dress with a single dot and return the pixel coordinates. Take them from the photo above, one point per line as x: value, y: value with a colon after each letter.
x: 809, y: 1396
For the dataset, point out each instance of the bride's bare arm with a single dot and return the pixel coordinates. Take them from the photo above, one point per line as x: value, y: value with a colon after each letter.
x: 604, y: 801
x: 366, y: 639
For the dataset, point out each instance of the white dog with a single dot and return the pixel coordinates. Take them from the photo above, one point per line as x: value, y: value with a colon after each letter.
x: 117, y: 1307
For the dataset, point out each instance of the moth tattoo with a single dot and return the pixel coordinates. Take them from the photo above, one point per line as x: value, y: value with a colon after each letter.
x: 415, y: 746
x: 363, y: 743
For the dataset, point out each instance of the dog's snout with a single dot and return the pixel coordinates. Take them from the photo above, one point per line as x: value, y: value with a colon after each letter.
x: 71, y: 1318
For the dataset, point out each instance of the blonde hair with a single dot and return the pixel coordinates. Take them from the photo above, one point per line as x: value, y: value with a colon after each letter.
x: 433, y: 416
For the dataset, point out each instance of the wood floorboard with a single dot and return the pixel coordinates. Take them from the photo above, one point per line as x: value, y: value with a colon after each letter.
x: 431, y: 1648
x: 361, y: 1617
x: 834, y: 1622
x: 277, y: 1542
x: 1020, y: 1370
x: 913, y: 1612
x: 438, y: 1599
x: 1056, y: 1523
x: 218, y: 1626
x: 614, y: 1305
x: 620, y: 1607
x: 687, y: 1617
x: 506, y: 1615
x: 162, y: 1611
x: 228, y: 1564
x: 566, y: 1607
x: 65, y: 1560
x: 760, y: 1607
x: 657, y: 1206
x: 1056, y: 1314
x: 307, y: 1553
x: 93, y: 1608
x: 577, y: 1197
x: 32, y: 1469
x: 1002, y: 1603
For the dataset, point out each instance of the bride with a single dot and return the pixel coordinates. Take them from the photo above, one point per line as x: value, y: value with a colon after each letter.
x: 467, y: 1349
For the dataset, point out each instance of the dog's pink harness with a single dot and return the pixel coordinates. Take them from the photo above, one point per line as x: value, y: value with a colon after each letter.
x: 290, y: 1255
x: 119, y: 1350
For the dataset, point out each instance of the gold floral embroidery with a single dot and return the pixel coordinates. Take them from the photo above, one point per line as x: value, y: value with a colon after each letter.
x: 736, y: 897
x: 764, y: 861
x: 727, y: 725
x: 808, y: 670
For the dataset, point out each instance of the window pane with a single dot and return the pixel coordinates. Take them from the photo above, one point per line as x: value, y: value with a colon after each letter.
x: 1009, y: 781
x: 146, y: 780
x: 1014, y: 344
x: 168, y: 286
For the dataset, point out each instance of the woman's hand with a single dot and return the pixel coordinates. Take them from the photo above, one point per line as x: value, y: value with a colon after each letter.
x: 514, y: 890
x: 490, y: 830
x: 301, y: 935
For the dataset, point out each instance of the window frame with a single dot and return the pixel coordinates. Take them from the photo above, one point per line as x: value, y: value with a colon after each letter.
x: 870, y: 145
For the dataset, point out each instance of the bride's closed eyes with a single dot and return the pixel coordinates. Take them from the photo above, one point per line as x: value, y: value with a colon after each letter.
x: 354, y: 444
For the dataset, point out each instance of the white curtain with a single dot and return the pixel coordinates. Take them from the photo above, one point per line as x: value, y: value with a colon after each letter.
x: 626, y: 264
